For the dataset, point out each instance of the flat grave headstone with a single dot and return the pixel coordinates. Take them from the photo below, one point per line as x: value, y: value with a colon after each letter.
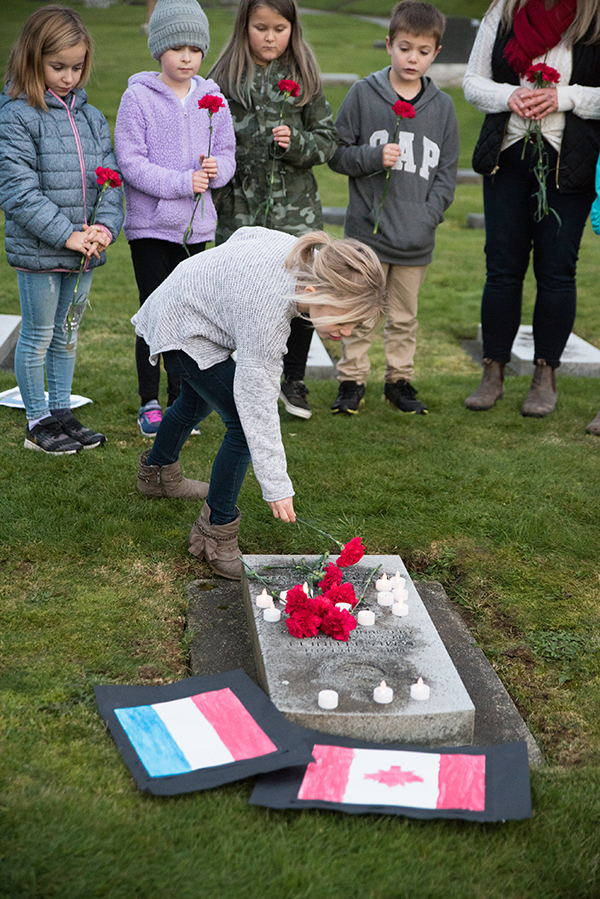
x: 579, y: 357
x: 10, y: 328
x: 398, y: 650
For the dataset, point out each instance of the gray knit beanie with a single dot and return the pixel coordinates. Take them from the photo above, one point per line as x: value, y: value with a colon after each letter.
x: 177, y: 23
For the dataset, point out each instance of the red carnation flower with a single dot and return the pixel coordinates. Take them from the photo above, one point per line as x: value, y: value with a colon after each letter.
x: 404, y: 110
x: 212, y: 103
x: 351, y: 553
x: 342, y: 593
x: 295, y: 599
x: 338, y: 623
x: 304, y: 623
x: 287, y: 86
x: 332, y: 578
x: 542, y: 72
x: 104, y: 175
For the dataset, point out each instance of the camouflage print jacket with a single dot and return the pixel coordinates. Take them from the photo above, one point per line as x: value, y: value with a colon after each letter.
x: 296, y: 205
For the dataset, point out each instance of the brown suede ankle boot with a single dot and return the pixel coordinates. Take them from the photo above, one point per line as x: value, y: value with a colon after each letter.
x: 490, y: 389
x: 217, y: 543
x: 167, y: 480
x: 542, y: 396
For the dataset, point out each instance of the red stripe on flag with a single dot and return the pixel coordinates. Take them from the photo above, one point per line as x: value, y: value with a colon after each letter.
x: 461, y: 782
x: 326, y: 778
x: 234, y: 724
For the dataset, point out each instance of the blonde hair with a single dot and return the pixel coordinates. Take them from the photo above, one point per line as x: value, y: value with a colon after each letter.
x: 587, y: 19
x: 234, y: 69
x: 343, y: 273
x: 49, y: 29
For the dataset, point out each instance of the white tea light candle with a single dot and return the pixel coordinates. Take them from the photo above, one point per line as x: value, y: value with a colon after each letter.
x: 419, y: 690
x: 400, y: 609
x: 397, y: 581
x: 272, y: 614
x: 366, y: 617
x: 328, y: 699
x: 264, y: 600
x: 344, y: 606
x: 384, y: 583
x: 385, y: 598
x: 383, y: 694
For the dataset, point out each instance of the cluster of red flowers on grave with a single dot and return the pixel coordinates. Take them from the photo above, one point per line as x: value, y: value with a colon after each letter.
x: 309, y: 615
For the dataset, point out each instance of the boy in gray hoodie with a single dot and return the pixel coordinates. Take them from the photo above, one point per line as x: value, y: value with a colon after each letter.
x: 399, y: 147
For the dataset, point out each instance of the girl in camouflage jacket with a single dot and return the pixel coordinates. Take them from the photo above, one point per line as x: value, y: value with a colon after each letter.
x: 279, y: 137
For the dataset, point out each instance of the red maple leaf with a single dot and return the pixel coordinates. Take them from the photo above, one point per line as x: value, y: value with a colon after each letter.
x: 395, y: 777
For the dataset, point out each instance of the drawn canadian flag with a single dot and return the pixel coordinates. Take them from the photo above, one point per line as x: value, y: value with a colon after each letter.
x: 425, y: 780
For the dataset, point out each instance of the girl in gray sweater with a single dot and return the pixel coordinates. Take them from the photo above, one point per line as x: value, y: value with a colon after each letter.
x: 242, y: 296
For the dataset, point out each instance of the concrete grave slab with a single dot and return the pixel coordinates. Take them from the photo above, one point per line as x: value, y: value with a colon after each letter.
x: 579, y: 357
x: 398, y: 650
x: 319, y: 364
x: 10, y: 328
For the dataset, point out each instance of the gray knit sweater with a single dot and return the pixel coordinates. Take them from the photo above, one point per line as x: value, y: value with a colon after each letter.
x: 237, y: 296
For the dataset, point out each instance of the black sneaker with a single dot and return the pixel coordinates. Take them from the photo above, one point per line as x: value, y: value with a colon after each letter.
x: 293, y: 396
x: 76, y: 431
x: 349, y: 398
x: 49, y: 437
x: 403, y: 396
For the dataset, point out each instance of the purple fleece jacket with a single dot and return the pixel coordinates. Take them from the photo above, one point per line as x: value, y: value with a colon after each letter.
x: 158, y: 144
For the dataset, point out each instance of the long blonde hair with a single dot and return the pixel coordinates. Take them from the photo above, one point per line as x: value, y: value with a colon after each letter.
x: 587, y: 18
x: 49, y: 29
x: 342, y: 273
x: 234, y: 69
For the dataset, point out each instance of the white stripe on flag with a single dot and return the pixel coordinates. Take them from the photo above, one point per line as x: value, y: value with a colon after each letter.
x: 392, y: 777
x: 195, y: 736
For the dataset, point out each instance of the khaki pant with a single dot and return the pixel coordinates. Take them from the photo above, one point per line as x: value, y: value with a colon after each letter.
x: 400, y: 332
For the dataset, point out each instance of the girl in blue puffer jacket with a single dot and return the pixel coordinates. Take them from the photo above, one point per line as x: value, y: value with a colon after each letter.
x: 51, y: 143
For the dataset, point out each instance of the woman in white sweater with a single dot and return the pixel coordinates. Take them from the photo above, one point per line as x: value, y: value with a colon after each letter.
x: 242, y: 296
x: 515, y: 36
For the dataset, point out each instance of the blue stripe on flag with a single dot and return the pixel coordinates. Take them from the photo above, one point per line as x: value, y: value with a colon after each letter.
x: 158, y: 752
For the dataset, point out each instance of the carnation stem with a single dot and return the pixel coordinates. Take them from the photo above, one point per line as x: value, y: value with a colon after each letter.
x: 319, y: 531
x: 369, y: 579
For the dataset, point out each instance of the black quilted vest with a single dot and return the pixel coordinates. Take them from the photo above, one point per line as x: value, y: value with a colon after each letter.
x: 580, y: 144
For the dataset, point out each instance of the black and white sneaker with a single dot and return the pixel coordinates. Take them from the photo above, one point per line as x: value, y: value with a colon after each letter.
x: 48, y: 437
x: 350, y: 396
x: 403, y: 396
x: 293, y: 396
x: 76, y: 431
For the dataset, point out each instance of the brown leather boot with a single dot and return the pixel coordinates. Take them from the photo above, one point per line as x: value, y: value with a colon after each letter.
x: 167, y: 480
x: 594, y: 426
x: 490, y: 389
x: 217, y: 543
x: 542, y: 396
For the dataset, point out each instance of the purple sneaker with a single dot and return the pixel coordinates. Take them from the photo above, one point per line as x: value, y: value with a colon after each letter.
x: 149, y: 418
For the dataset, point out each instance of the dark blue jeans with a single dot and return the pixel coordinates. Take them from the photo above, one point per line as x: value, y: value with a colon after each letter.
x: 201, y: 393
x: 511, y: 233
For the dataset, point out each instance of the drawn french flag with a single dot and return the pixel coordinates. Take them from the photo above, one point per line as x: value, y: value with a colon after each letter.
x: 200, y: 731
x: 392, y: 777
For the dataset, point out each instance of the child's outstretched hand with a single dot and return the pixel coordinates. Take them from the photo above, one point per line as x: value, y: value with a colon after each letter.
x: 282, y: 136
x: 284, y: 509
x: 210, y: 166
x: 200, y: 181
x: 390, y: 155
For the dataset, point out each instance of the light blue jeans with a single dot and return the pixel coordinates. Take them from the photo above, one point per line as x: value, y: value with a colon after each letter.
x: 45, y: 299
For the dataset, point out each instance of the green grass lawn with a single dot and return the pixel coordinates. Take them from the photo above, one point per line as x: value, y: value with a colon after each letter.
x: 502, y: 510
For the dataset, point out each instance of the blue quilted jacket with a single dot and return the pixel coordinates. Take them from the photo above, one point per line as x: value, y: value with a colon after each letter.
x: 48, y: 161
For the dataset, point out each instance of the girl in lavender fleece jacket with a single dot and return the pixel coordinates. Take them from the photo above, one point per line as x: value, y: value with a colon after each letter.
x: 161, y: 142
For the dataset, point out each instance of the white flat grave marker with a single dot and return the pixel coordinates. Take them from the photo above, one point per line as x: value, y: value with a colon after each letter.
x: 396, y: 649
x: 579, y: 357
